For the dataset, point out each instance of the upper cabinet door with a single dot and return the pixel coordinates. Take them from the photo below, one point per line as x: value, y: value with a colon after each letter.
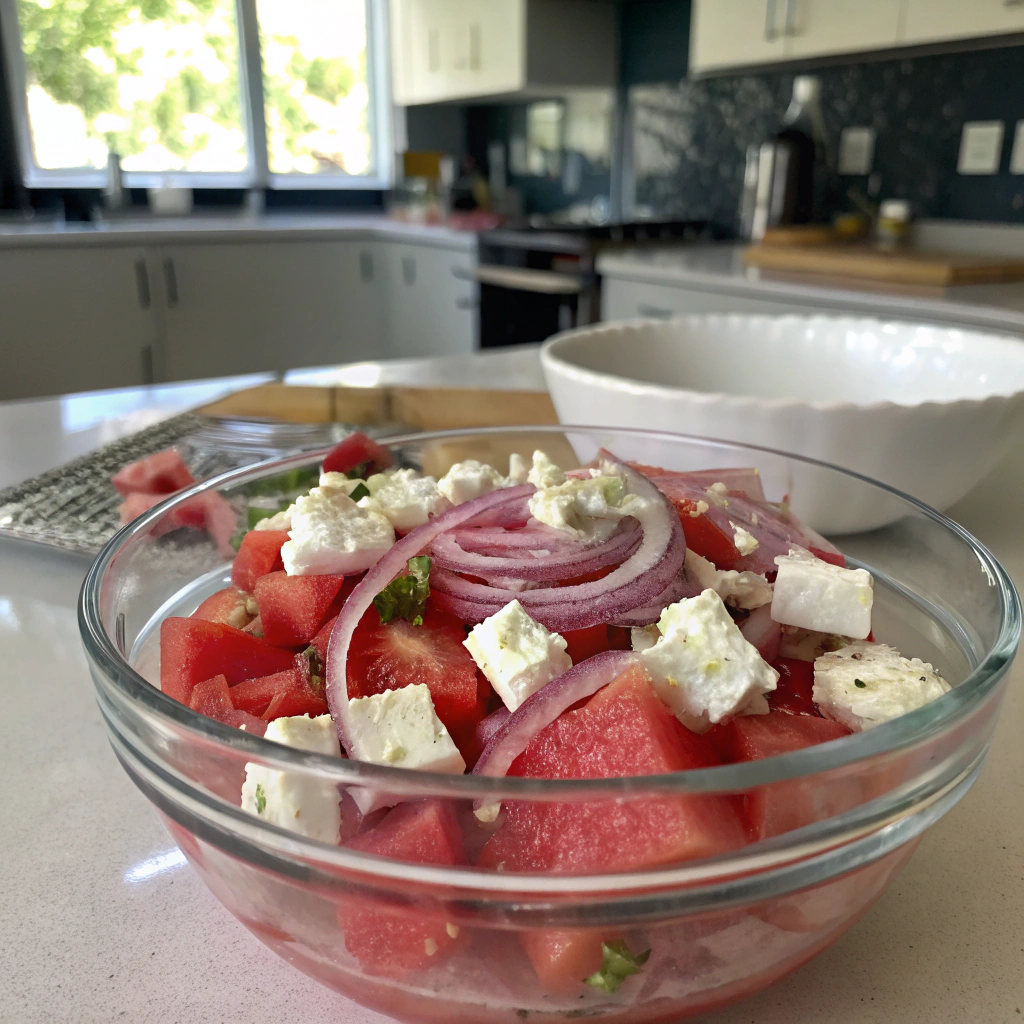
x: 930, y: 21
x: 816, y: 28
x: 731, y: 33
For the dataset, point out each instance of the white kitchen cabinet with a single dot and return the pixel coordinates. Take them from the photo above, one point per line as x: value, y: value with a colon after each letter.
x: 243, y: 307
x: 731, y: 33
x: 816, y: 28
x: 450, y: 49
x: 432, y: 302
x: 75, y: 320
x: 931, y: 21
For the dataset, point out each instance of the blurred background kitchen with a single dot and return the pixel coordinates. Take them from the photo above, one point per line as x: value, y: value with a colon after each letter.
x: 429, y: 177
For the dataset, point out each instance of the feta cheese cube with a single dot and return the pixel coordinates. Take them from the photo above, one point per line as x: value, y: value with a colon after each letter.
x: 746, y: 543
x: 468, y: 480
x: 642, y: 638
x: 814, y: 594
x: 517, y: 654
x: 330, y: 533
x: 401, y: 728
x: 294, y: 800
x: 587, y: 509
x: 544, y: 472
x: 518, y: 470
x: 865, y: 684
x: 337, y: 483
x: 703, y: 668
x: 407, y: 499
x: 740, y: 589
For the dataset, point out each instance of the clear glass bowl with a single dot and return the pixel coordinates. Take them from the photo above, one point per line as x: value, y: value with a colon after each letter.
x: 718, y: 928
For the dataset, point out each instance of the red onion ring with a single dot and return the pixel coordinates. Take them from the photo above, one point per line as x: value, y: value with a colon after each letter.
x: 494, y: 540
x: 393, y: 564
x: 763, y: 632
x: 685, y: 584
x: 508, y: 515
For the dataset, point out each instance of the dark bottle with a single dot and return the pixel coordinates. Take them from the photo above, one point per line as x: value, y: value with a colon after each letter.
x: 800, y: 164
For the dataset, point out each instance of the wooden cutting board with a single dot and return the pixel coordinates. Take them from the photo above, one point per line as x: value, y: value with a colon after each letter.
x: 906, y: 266
x: 419, y: 408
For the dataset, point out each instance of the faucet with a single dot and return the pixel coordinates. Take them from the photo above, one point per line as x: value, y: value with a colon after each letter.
x: 114, y: 195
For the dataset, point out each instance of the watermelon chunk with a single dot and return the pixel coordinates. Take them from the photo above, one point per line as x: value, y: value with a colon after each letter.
x: 161, y: 473
x: 794, y: 693
x: 563, y: 957
x: 259, y: 553
x: 323, y: 638
x: 625, y: 730
x: 782, y: 806
x: 387, y: 940
x: 227, y: 606
x: 192, y: 650
x: 280, y: 695
x: 212, y: 698
x: 356, y: 451
x: 293, y: 608
x: 210, y: 512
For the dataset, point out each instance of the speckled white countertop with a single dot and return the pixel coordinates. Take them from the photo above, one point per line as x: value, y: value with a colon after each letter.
x: 101, y: 922
x: 719, y: 268
x: 220, y: 227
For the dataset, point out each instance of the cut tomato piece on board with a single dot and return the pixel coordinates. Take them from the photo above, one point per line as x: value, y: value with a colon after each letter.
x: 782, y: 806
x: 794, y: 693
x: 357, y: 451
x: 259, y: 553
x: 192, y: 650
x: 293, y: 608
x: 391, y: 655
x: 280, y: 695
x: 625, y: 730
x: 387, y: 940
x: 161, y: 473
x: 227, y: 606
x: 563, y: 957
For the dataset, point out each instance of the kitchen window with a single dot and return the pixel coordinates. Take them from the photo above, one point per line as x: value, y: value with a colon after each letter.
x: 174, y: 88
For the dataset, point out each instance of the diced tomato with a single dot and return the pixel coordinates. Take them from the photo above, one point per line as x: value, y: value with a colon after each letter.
x: 782, y: 806
x: 794, y: 693
x: 391, y: 941
x: 161, y: 473
x: 563, y: 957
x: 280, y: 695
x: 625, y: 730
x: 192, y: 650
x: 259, y: 553
x: 390, y: 655
x: 293, y: 608
x: 355, y: 450
x: 227, y: 606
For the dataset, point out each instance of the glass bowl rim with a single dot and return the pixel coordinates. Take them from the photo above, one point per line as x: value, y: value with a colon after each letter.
x: 899, y: 734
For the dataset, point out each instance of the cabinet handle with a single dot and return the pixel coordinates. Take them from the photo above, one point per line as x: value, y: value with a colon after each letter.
x: 366, y: 267
x: 433, y: 51
x: 787, y: 20
x: 171, y: 281
x: 770, y: 33
x: 142, y: 284
x: 1013, y: 3
x: 409, y: 270
x: 474, y: 47
x: 654, y: 312
x: 147, y: 364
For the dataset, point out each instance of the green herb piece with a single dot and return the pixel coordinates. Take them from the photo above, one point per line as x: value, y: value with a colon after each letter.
x: 859, y: 683
x: 617, y: 964
x: 236, y: 540
x: 261, y: 798
x: 257, y: 515
x: 315, y: 667
x: 359, y: 472
x: 294, y: 481
x: 406, y: 596
x: 359, y: 491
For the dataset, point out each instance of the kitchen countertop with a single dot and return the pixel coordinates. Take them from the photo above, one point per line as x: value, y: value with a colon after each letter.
x: 719, y: 268
x: 100, y: 921
x: 220, y: 227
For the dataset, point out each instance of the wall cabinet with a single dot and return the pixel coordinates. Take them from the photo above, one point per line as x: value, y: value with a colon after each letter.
x: 930, y: 21
x: 450, y: 49
x: 75, y: 320
x: 731, y: 33
x: 816, y: 28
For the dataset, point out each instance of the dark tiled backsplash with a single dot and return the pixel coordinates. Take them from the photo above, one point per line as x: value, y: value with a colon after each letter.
x: 690, y: 138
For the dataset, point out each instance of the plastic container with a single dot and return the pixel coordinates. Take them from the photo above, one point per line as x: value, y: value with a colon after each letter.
x: 718, y: 928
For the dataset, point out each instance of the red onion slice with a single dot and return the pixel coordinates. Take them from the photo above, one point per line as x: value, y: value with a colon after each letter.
x: 540, y: 710
x: 685, y: 584
x: 508, y: 515
x: 393, y: 564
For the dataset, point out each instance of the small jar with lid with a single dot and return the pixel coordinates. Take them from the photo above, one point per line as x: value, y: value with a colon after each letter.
x: 893, y: 226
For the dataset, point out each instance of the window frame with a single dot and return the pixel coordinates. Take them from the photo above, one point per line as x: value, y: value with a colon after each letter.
x: 257, y: 175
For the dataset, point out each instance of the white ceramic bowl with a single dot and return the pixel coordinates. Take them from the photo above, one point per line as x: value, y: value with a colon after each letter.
x: 929, y: 410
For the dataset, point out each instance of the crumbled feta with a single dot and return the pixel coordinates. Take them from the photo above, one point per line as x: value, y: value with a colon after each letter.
x: 518, y: 470
x: 330, y: 533
x: 717, y: 493
x: 740, y: 589
x: 806, y: 644
x: 295, y: 800
x: 517, y: 654
x: 407, y: 499
x: 701, y: 508
x: 279, y: 521
x: 337, y: 483
x: 588, y: 509
x: 703, y: 667
x: 470, y: 479
x: 814, y: 594
x: 757, y: 705
x: 544, y: 472
x: 746, y: 543
x: 865, y: 684
x: 642, y: 638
